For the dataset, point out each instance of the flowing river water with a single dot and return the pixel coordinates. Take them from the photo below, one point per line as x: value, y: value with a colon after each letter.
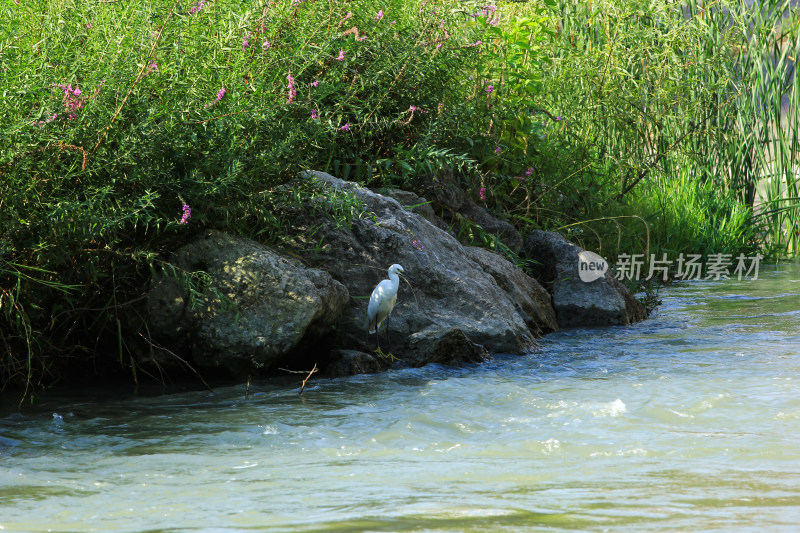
x: 689, y: 421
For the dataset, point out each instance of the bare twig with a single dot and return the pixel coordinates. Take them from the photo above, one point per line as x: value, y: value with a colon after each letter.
x: 309, y: 372
x: 75, y: 148
x: 12, y: 41
x: 303, y: 386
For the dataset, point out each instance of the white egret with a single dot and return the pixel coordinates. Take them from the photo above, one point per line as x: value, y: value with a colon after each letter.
x: 382, y: 302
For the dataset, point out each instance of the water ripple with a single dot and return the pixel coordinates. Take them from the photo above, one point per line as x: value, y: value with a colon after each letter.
x: 686, y: 421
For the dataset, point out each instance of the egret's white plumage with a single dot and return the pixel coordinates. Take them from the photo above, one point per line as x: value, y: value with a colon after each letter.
x: 383, y: 299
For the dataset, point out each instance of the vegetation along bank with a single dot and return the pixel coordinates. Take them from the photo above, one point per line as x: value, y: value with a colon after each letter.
x: 131, y: 129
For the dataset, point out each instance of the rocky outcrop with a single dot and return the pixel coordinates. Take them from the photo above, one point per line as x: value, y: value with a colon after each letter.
x: 445, y: 347
x: 451, y: 291
x: 259, y: 308
x: 254, y: 309
x: 350, y: 362
x: 531, y: 299
x: 419, y: 205
x: 602, y: 302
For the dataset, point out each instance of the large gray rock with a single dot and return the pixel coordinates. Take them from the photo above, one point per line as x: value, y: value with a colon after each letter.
x: 602, y: 302
x: 444, y: 347
x: 453, y: 299
x: 531, y: 299
x: 269, y: 305
x: 351, y: 362
x: 418, y: 205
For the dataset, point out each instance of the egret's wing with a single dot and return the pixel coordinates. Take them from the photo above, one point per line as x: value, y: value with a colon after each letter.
x: 377, y: 307
x: 385, y: 308
x: 372, y: 309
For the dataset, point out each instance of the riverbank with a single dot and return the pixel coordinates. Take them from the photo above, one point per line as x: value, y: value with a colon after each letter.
x: 135, y: 128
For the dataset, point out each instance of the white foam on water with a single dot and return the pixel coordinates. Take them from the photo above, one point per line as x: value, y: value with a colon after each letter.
x: 615, y: 408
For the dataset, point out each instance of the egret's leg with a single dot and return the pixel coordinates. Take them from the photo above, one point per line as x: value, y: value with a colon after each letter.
x: 388, y: 341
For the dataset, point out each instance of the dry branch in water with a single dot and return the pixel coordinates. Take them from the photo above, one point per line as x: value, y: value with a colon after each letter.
x: 310, y: 372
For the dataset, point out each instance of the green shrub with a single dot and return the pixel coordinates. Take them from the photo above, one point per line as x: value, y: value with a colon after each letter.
x: 631, y: 127
x: 116, y: 115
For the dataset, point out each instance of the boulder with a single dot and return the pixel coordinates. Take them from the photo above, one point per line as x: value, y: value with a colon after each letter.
x: 602, y: 302
x: 351, y: 362
x: 418, y: 205
x: 501, y: 229
x: 531, y: 299
x: 258, y: 309
x: 255, y: 310
x: 444, y: 346
x: 451, y: 295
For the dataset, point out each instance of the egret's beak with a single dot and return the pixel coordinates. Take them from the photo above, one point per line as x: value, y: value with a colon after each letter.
x: 407, y: 277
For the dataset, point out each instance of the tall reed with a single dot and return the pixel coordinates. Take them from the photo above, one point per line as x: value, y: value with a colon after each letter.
x: 677, y: 101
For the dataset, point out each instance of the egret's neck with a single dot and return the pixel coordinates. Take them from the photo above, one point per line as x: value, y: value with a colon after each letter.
x: 395, y: 279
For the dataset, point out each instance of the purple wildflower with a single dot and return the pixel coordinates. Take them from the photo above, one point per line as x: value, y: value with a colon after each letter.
x: 498, y: 150
x: 88, y: 24
x: 340, y: 57
x: 379, y: 16
x: 47, y: 120
x: 482, y: 193
x: 362, y: 38
x: 72, y: 98
x: 559, y: 118
x: 290, y: 87
x: 490, y: 89
x: 219, y: 97
x: 245, y: 44
x: 529, y: 172
x: 416, y: 243
x: 315, y: 83
x: 346, y: 127
x: 187, y: 214
x: 314, y: 115
x: 266, y: 45
x: 197, y: 7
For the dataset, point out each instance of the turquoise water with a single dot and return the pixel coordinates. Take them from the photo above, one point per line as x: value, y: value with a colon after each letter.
x: 689, y: 421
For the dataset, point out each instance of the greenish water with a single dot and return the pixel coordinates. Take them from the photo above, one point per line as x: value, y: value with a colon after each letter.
x: 689, y: 421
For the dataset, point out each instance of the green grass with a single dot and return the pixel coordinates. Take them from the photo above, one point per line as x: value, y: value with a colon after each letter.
x: 675, y: 116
